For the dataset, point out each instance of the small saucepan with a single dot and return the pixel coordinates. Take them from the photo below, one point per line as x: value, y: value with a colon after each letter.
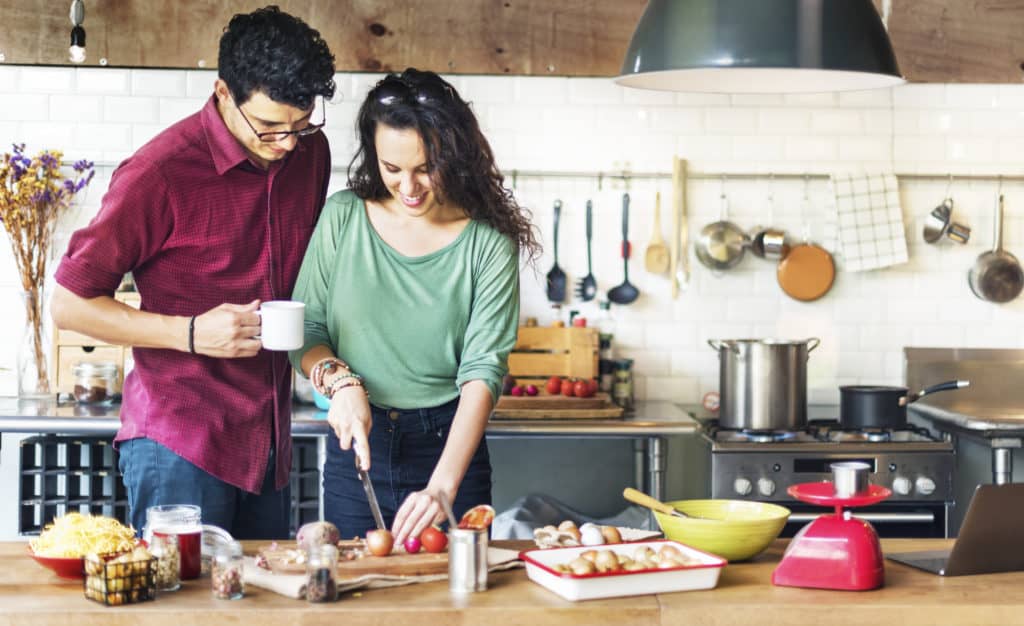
x: 874, y: 406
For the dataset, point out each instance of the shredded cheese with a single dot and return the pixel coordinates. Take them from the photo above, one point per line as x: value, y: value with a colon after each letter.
x: 76, y: 535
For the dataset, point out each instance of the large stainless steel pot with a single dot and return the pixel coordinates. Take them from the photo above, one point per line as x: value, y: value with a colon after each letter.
x: 763, y: 383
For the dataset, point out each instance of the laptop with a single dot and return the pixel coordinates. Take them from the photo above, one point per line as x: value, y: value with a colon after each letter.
x: 989, y: 539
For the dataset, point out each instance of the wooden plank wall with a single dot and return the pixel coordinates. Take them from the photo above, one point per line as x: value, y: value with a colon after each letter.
x: 936, y: 40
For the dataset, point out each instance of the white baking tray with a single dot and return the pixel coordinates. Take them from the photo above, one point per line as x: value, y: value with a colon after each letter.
x: 540, y: 567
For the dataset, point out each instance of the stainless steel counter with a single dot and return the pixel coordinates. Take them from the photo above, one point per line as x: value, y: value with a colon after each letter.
x: 652, y: 422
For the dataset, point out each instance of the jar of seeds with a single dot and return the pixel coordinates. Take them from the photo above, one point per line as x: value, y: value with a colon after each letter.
x: 226, y: 573
x: 168, y: 561
x: 321, y: 564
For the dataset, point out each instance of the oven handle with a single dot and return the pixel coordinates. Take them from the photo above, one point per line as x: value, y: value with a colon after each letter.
x: 875, y: 518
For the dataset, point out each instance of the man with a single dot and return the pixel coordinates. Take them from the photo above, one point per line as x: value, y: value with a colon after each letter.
x: 211, y: 217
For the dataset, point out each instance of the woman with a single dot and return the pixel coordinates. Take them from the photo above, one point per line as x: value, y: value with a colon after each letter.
x: 411, y: 286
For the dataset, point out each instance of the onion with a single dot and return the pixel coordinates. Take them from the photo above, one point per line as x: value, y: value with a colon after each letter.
x: 380, y: 542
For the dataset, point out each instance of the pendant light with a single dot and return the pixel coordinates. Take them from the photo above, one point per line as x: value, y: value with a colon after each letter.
x: 760, y: 46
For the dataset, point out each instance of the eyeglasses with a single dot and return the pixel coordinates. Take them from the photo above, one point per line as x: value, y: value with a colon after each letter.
x: 396, y: 89
x: 279, y: 135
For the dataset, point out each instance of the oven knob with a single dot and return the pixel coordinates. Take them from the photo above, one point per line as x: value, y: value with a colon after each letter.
x: 925, y: 486
x: 742, y: 486
x: 765, y: 486
x: 901, y: 485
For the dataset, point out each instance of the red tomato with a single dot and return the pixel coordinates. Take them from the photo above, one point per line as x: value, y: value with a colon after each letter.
x: 433, y: 539
x: 594, y: 386
x: 554, y: 385
x: 581, y: 389
x: 567, y: 387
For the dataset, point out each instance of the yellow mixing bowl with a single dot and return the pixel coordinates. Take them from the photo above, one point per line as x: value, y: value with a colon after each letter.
x: 735, y: 530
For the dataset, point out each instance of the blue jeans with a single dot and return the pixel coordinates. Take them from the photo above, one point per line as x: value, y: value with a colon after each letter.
x: 405, y: 446
x: 153, y: 474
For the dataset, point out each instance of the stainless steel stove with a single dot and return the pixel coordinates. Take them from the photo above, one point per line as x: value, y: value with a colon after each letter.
x: 914, y: 464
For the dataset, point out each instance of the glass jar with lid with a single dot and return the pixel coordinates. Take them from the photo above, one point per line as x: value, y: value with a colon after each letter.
x: 622, y: 388
x: 95, y: 383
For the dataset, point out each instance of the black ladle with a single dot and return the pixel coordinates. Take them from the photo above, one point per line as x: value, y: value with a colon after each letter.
x: 586, y: 288
x: 626, y: 292
x: 556, y: 277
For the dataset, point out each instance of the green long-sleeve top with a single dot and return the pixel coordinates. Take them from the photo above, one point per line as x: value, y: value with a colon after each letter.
x: 415, y: 328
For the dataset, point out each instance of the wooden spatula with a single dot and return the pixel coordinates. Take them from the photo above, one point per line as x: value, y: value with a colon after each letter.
x: 656, y: 259
x: 641, y: 498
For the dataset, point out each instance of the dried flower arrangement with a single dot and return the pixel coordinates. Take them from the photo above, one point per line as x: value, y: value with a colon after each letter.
x: 34, y: 193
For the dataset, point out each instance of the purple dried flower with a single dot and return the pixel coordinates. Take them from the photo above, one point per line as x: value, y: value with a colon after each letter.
x: 48, y: 160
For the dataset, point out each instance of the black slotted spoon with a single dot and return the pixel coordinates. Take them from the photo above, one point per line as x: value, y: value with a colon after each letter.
x: 556, y: 277
x: 625, y: 293
x: 586, y: 287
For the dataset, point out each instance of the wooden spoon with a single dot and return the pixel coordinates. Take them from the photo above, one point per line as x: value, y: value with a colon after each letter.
x: 641, y: 498
x: 656, y: 258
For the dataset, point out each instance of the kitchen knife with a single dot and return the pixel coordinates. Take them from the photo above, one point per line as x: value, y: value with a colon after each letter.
x: 371, y: 495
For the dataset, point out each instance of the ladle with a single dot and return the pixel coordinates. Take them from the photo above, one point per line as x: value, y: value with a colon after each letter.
x: 626, y: 292
x: 644, y: 500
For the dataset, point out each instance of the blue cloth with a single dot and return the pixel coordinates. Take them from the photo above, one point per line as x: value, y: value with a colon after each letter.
x: 405, y: 446
x: 153, y: 475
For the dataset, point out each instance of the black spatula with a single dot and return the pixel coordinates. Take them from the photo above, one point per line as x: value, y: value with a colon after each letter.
x: 556, y: 277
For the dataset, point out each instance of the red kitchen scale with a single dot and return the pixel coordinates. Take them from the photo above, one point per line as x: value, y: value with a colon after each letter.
x: 836, y: 551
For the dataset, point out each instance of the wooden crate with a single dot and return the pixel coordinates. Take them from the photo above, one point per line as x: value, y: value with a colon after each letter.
x: 70, y: 348
x: 543, y: 351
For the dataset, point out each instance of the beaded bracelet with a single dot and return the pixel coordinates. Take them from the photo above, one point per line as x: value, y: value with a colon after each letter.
x: 320, y: 369
x: 352, y: 380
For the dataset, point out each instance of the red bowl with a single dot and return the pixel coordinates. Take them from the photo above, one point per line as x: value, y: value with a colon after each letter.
x: 65, y: 567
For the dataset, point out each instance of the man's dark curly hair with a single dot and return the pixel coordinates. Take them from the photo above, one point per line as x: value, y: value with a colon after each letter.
x: 459, y: 158
x: 278, y: 54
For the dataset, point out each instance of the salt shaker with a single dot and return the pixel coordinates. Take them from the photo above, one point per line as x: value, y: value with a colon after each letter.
x: 168, y: 561
x: 226, y: 574
x: 321, y: 564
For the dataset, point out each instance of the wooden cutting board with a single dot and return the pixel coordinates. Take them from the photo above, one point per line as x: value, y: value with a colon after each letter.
x: 282, y: 561
x: 600, y: 406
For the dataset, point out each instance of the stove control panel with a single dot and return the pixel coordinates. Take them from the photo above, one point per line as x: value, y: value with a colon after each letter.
x: 925, y: 476
x: 765, y: 486
x: 901, y: 485
x: 742, y: 487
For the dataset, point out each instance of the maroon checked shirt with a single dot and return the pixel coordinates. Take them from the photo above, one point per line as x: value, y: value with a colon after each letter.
x: 199, y: 225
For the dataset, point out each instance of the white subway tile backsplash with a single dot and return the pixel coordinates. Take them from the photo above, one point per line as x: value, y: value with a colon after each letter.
x: 24, y: 107
x: 836, y: 122
x: 591, y: 124
x: 103, y: 81
x: 36, y: 79
x: 199, y: 83
x: 172, y: 110
x: 739, y: 121
x: 128, y: 110
x: 70, y: 108
x: 169, y: 83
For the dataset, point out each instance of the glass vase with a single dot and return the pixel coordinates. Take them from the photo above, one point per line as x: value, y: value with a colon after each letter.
x: 33, y: 370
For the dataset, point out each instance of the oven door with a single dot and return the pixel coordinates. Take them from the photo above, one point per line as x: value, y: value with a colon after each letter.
x: 891, y: 519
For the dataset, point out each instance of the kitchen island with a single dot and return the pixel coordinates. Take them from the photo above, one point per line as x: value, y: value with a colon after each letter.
x: 32, y: 596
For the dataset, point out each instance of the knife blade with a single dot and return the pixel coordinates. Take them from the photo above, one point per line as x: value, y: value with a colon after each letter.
x: 371, y: 495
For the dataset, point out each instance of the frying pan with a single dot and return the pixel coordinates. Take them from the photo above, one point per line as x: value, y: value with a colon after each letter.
x: 721, y: 244
x: 996, y: 275
x: 806, y: 273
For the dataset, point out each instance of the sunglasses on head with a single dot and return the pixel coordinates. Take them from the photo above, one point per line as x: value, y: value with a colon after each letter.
x: 395, y: 89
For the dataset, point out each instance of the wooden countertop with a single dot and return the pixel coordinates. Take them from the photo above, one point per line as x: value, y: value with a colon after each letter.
x: 31, y: 595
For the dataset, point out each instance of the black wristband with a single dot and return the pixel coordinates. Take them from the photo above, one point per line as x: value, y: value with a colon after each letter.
x: 192, y: 334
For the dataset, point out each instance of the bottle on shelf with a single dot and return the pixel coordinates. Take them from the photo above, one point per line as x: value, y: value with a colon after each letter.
x: 605, y: 324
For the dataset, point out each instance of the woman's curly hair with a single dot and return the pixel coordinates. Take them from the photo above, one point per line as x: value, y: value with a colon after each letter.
x: 277, y: 54
x: 459, y: 158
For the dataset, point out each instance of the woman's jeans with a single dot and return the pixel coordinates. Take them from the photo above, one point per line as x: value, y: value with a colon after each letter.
x: 405, y: 446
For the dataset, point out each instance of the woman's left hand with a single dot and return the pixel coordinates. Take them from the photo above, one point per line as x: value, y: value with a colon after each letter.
x: 420, y: 509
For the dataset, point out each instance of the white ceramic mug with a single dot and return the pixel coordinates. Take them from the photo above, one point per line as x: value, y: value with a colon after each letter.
x: 282, y: 324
